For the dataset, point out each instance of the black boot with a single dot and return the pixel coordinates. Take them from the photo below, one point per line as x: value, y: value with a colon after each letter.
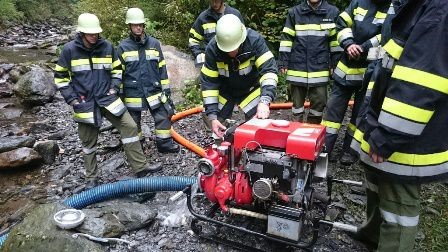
x: 167, y: 146
x: 349, y: 156
x: 149, y: 168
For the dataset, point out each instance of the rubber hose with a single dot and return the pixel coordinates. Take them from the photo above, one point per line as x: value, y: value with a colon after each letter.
x: 3, y: 239
x: 132, y: 186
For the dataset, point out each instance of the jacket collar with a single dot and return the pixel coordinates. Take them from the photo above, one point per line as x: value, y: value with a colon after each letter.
x: 79, y: 43
x: 305, y: 8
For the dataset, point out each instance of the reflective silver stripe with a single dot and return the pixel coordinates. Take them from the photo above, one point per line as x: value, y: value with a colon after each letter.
x: 252, y: 104
x: 400, y: 124
x: 371, y: 186
x: 339, y: 72
x: 220, y: 106
x: 388, y: 62
x: 200, y: 58
x: 330, y: 130
x: 307, y: 80
x: 130, y: 140
x: 404, y: 221
x: 336, y: 49
x: 405, y: 170
x: 62, y: 84
x: 116, y: 75
x: 191, y: 43
x: 315, y: 112
x: 134, y: 105
x: 102, y: 66
x: 154, y: 102
x: 378, y: 20
x: 84, y: 120
x: 118, y: 109
x: 209, y: 30
x: 312, y: 33
x: 359, y: 17
x: 246, y: 70
x: 131, y: 58
x: 355, y: 145
x: 88, y: 151
x: 347, y: 34
x: 355, y: 77
x: 285, y: 49
x: 223, y: 72
x: 391, y: 10
x: 368, y: 93
x: 152, y: 57
x: 297, y: 110
x: 375, y: 42
x: 210, y: 100
x: 164, y: 136
x: 80, y: 68
x: 269, y: 82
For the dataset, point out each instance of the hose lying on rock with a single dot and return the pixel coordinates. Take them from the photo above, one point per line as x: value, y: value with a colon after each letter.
x: 121, y: 188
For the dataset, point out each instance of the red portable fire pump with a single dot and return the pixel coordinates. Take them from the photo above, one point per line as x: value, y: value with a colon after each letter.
x: 265, y: 169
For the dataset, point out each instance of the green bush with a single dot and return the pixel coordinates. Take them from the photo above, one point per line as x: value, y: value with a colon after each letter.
x: 8, y: 11
x: 41, y: 11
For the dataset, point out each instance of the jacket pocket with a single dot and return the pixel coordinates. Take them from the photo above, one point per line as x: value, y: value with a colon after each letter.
x: 83, y: 113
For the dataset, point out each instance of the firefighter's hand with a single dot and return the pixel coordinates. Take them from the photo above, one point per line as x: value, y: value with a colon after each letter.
x: 376, y: 158
x: 111, y: 92
x: 218, y: 128
x: 283, y: 70
x: 262, y: 111
x: 354, y: 51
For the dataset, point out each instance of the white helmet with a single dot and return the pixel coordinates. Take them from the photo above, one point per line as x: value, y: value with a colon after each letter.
x: 135, y: 16
x: 88, y: 23
x: 230, y: 33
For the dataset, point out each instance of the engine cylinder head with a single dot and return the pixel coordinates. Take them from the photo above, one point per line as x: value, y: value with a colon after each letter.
x: 262, y: 188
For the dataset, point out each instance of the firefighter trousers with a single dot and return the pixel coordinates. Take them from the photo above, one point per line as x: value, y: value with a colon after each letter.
x: 336, y: 108
x: 318, y: 100
x: 128, y: 131
x: 392, y: 213
x: 162, y: 124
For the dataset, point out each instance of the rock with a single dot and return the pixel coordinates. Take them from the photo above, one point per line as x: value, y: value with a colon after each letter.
x: 114, y: 218
x: 39, y: 127
x: 180, y: 68
x: 16, y: 72
x: 10, y: 113
x: 5, y: 90
x: 14, y: 142
x: 58, y: 135
x: 19, y: 157
x: 48, y: 150
x: 35, y: 87
x: 109, y: 166
x: 37, y: 232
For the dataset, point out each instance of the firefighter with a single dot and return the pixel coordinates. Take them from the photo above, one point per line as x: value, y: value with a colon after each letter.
x: 308, y: 39
x: 88, y: 75
x: 238, y: 69
x: 359, y: 28
x: 145, y: 80
x: 403, y: 144
x: 203, y: 29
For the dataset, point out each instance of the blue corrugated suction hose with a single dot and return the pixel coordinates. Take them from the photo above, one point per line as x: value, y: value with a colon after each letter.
x: 125, y: 187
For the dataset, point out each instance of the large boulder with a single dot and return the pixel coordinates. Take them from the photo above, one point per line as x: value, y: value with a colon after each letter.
x: 19, y: 158
x: 180, y: 69
x: 38, y: 232
x: 35, y: 87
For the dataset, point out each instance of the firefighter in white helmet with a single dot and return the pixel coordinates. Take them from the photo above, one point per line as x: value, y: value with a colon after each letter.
x: 239, y: 70
x: 145, y: 80
x: 88, y: 75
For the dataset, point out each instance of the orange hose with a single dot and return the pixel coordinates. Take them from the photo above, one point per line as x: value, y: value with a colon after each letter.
x: 200, y: 151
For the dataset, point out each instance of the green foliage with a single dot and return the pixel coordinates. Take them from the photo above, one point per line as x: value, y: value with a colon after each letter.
x: 8, y: 11
x: 191, y: 94
x: 282, y: 89
x: 41, y: 11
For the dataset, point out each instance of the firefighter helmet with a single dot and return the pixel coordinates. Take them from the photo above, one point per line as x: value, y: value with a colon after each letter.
x: 135, y: 16
x: 88, y: 23
x: 230, y: 33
